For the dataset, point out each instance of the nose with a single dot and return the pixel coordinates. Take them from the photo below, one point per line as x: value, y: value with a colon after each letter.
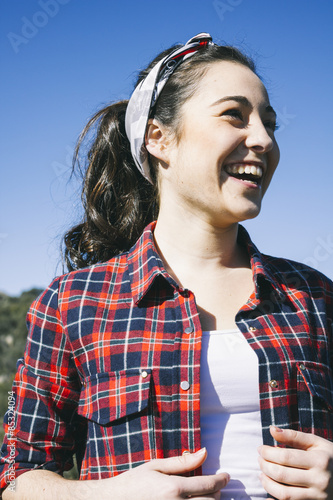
x: 259, y: 138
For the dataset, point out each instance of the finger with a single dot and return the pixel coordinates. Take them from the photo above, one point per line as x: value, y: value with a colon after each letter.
x: 178, y: 465
x: 278, y: 490
x: 297, y: 439
x: 299, y: 459
x: 201, y: 486
x: 287, y: 475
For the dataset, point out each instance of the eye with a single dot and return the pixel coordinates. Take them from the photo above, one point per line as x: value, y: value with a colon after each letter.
x: 235, y: 113
x: 272, y: 124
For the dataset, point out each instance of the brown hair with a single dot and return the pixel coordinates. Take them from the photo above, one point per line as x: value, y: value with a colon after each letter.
x: 118, y: 201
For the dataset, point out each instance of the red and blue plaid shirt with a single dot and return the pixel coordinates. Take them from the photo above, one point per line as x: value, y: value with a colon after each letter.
x: 110, y: 345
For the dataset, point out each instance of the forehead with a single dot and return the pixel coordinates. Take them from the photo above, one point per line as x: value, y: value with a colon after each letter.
x: 226, y: 78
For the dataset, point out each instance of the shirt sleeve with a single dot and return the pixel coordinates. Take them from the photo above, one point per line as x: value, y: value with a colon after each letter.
x: 41, y: 425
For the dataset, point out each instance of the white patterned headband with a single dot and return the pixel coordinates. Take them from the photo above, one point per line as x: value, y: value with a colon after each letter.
x: 146, y: 94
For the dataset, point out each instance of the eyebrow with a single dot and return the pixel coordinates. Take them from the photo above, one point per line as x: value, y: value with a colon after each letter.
x: 242, y: 100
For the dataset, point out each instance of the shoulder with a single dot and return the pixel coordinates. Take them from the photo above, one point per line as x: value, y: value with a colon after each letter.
x: 106, y: 278
x: 92, y: 280
x: 95, y: 282
x: 293, y: 275
x: 94, y: 276
x: 286, y: 274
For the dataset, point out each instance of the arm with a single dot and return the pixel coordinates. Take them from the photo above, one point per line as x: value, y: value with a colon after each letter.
x: 46, y: 390
x: 157, y: 480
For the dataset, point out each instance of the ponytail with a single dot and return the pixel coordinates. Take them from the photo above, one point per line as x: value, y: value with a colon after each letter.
x: 118, y: 201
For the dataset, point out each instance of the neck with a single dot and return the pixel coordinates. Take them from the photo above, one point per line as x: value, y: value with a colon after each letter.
x: 188, y: 243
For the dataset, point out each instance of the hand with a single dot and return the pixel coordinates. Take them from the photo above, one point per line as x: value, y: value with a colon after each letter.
x: 161, y: 480
x: 304, y: 470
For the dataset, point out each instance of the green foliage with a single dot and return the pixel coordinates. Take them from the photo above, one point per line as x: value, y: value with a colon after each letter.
x: 72, y: 473
x: 13, y: 331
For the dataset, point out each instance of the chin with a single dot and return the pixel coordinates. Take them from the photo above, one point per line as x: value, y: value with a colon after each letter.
x: 249, y: 213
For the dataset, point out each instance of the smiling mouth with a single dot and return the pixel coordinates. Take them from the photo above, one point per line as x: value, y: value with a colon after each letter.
x: 245, y: 172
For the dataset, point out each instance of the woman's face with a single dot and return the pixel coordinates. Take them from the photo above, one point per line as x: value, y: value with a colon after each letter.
x: 220, y: 166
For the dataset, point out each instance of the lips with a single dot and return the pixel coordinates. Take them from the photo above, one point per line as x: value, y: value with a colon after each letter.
x: 246, y: 171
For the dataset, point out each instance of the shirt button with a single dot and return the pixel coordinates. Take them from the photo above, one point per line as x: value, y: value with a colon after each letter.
x: 273, y: 384
x: 188, y: 329
x: 185, y: 385
x: 186, y: 452
x: 302, y: 367
x: 252, y: 329
x: 144, y: 374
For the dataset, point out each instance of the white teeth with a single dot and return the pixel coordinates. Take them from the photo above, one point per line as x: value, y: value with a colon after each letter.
x: 247, y: 169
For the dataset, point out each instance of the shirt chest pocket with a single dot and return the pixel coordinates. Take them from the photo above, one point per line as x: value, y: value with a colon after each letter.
x: 119, y: 411
x: 315, y: 398
x: 107, y: 397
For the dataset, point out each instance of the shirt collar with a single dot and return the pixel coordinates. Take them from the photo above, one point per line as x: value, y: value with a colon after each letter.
x: 145, y: 264
x: 264, y: 280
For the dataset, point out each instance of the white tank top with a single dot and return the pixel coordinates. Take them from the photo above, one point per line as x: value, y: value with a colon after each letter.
x: 230, y: 415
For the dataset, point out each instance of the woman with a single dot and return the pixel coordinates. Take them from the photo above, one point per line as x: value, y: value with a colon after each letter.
x: 174, y: 369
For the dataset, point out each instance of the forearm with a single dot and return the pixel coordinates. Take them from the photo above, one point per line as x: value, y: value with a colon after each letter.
x: 43, y: 484
x: 161, y: 479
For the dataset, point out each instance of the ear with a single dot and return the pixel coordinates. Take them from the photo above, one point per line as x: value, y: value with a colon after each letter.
x: 156, y: 140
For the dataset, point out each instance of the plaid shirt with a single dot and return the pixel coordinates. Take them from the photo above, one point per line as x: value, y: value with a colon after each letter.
x: 112, y: 364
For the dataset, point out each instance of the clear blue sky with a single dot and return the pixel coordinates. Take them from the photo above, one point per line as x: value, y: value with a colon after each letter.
x: 64, y: 59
